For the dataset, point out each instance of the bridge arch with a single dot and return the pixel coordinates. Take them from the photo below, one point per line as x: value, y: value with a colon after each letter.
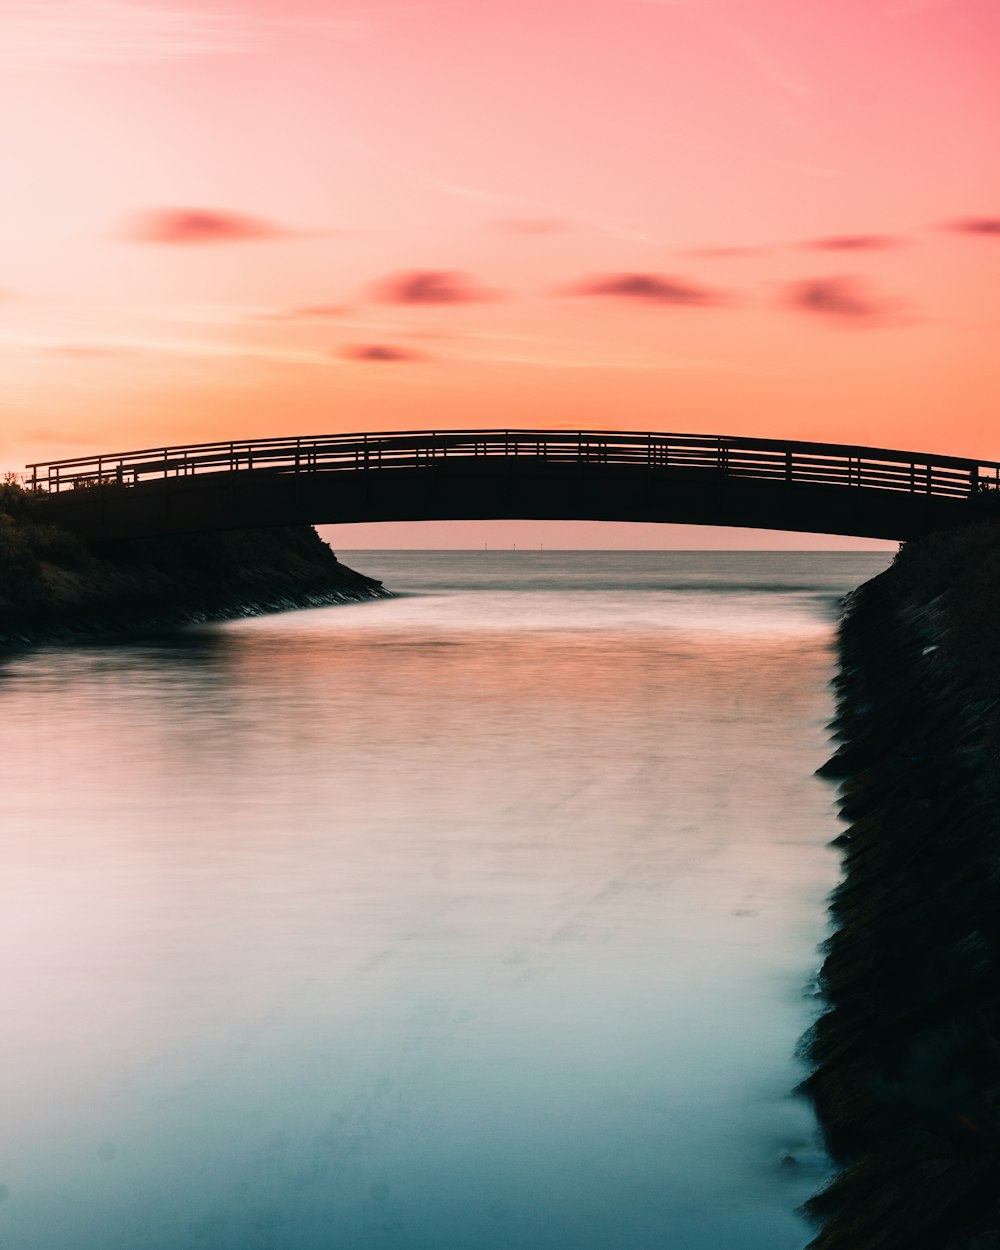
x: 604, y: 475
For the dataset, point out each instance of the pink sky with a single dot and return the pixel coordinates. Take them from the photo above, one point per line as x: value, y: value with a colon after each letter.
x: 240, y: 218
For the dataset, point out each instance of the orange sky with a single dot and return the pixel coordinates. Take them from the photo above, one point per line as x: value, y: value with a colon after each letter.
x: 238, y: 218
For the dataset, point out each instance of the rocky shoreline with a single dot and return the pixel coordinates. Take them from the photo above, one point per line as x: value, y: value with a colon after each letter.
x: 906, y: 1060
x: 54, y: 588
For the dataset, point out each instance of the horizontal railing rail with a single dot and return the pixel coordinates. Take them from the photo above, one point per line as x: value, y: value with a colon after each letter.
x: 765, y: 460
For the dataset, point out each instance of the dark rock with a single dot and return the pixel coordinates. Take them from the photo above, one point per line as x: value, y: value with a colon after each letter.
x: 54, y: 588
x: 906, y: 1060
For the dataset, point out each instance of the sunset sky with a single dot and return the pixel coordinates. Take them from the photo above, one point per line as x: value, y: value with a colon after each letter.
x: 241, y: 218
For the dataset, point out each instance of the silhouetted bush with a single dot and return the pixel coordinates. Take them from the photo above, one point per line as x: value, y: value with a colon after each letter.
x: 20, y: 568
x: 28, y: 543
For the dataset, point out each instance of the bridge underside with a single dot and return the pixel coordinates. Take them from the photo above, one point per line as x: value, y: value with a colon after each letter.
x: 520, y: 487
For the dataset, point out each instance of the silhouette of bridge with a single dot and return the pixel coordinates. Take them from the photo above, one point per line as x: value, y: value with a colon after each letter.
x: 604, y: 475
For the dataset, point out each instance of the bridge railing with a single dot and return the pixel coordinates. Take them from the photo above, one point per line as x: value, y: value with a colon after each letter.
x: 830, y: 464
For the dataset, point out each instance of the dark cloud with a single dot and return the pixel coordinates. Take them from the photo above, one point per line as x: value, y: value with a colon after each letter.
x: 380, y: 352
x: 431, y: 286
x: 199, y: 225
x: 530, y: 225
x: 975, y: 225
x: 854, y: 243
x: 842, y: 297
x: 649, y: 287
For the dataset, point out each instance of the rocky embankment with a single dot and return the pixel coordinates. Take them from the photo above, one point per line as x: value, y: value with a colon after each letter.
x: 55, y: 588
x: 906, y: 1060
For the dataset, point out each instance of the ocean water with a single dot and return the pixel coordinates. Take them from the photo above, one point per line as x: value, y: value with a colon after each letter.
x: 484, y: 917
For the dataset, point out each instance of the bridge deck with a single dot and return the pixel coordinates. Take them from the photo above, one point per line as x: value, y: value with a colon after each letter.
x: 764, y: 460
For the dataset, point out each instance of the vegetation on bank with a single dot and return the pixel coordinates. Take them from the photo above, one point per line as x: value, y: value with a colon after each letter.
x: 906, y: 1061
x: 53, y: 586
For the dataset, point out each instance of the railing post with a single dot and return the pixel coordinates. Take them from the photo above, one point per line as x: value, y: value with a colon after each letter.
x: 766, y: 458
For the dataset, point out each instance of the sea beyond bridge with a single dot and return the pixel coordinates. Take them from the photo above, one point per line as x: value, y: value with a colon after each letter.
x: 607, y: 475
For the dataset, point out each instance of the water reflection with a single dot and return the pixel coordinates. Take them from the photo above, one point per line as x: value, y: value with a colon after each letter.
x: 478, y: 918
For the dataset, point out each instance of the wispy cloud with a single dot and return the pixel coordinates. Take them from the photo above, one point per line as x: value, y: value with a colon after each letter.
x: 854, y: 243
x: 727, y: 253
x: 650, y: 288
x: 57, y: 437
x: 974, y: 225
x: 199, y: 225
x: 144, y: 30
x: 136, y: 345
x: 114, y: 30
x: 660, y: 363
x: 307, y: 312
x: 80, y: 351
x: 381, y: 352
x: 839, y: 298
x: 431, y: 286
x: 498, y: 201
x: 749, y: 48
x: 485, y: 349
x: 759, y: 57
x: 530, y: 225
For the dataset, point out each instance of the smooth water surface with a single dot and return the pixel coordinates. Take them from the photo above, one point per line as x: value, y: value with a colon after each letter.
x: 484, y: 917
